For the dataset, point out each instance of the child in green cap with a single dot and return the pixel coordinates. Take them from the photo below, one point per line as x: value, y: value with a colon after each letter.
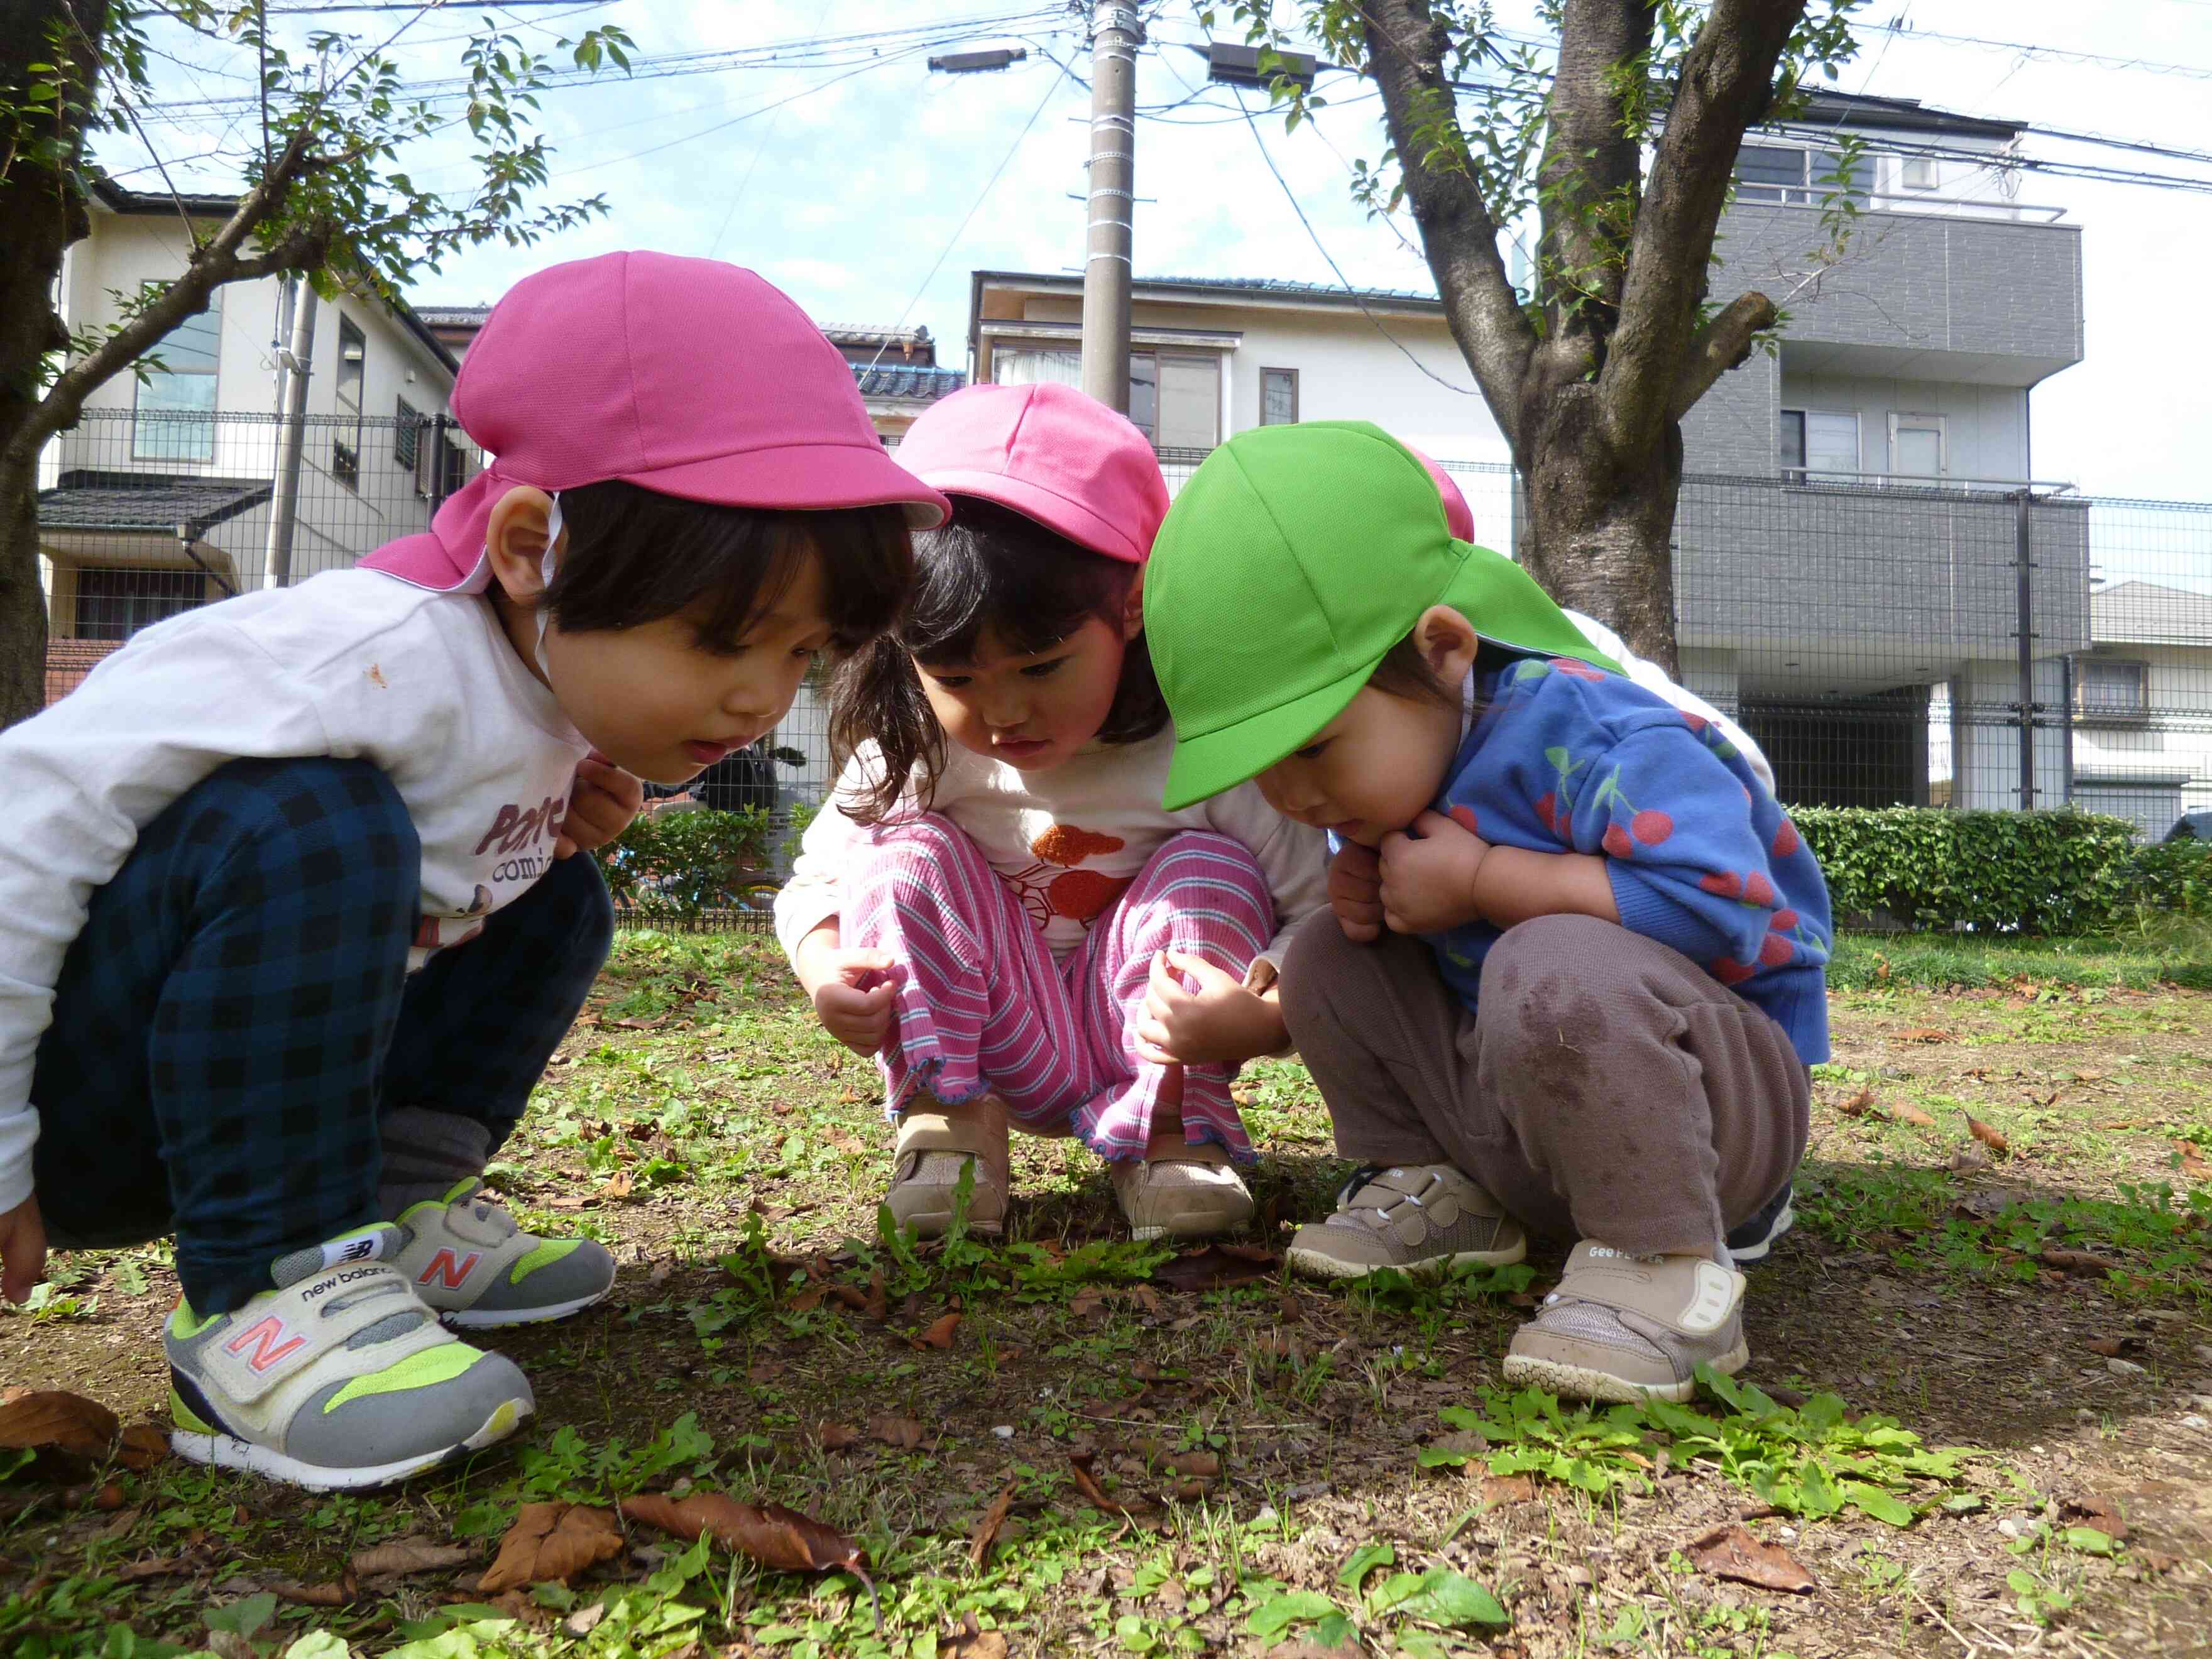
x: 1576, y: 973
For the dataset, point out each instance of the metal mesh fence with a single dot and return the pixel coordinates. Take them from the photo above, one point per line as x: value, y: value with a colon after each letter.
x: 1963, y: 646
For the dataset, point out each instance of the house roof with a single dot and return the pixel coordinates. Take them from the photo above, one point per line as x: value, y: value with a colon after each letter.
x: 147, y: 503
x: 1851, y: 109
x: 114, y: 198
x: 2150, y: 613
x: 453, y: 316
x: 1224, y: 287
x: 899, y: 381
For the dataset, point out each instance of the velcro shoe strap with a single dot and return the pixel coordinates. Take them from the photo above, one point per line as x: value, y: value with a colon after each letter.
x: 277, y: 1337
x: 922, y: 1130
x: 1687, y: 1294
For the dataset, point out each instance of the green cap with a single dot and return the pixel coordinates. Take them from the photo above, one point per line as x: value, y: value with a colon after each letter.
x: 1289, y: 564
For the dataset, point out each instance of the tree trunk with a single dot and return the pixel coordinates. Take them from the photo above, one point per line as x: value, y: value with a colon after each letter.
x: 41, y: 212
x: 1598, y: 529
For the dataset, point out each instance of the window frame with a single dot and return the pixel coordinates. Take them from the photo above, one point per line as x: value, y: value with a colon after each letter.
x: 1812, y: 185
x: 1901, y: 419
x: 1293, y: 373
x: 1906, y: 165
x: 1804, y: 473
x: 345, y: 458
x: 2087, y: 713
x: 148, y: 575
x: 407, y: 435
x: 144, y: 420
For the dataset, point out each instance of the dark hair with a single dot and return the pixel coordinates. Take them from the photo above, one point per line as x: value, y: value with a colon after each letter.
x: 990, y: 570
x: 635, y: 556
x: 1405, y: 672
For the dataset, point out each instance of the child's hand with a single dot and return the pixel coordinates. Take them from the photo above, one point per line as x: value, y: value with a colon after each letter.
x: 853, y: 991
x: 600, y: 806
x: 22, y: 1250
x: 1221, y: 1022
x: 1428, y: 884
x: 1355, y: 891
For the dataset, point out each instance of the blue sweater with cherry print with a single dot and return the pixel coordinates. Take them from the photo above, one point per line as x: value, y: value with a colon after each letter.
x: 1563, y: 757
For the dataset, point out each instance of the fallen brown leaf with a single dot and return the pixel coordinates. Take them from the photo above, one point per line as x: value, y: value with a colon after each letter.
x: 336, y: 1594
x: 901, y: 1432
x: 155, y: 1567
x: 1925, y: 1033
x: 143, y: 1446
x: 617, y: 1185
x: 1086, y: 1483
x: 938, y: 1335
x: 652, y: 1024
x: 551, y: 1541
x: 1502, y: 1489
x: 808, y: 1299
x: 1730, y: 1551
x: 987, y: 1529
x: 1215, y: 1266
x: 835, y: 1437
x: 970, y: 1642
x: 1857, y: 1104
x: 2192, y: 1160
x: 771, y: 1534
x: 1198, y: 1465
x: 50, y: 1419
x: 410, y: 1555
x: 1989, y: 1137
x: 1906, y: 1112
x: 2076, y: 1262
x: 2095, y: 1511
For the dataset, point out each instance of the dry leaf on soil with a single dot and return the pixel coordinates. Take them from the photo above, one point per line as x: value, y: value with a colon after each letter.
x: 1198, y: 1465
x: 2096, y: 1512
x: 835, y: 1437
x: 1215, y: 1266
x: 771, y: 1534
x: 938, y: 1335
x: 1499, y: 1490
x: 1857, y: 1104
x: 1989, y: 1138
x: 1086, y: 1483
x: 970, y: 1642
x: 551, y: 1541
x: 987, y: 1529
x: 49, y: 1418
x: 2192, y: 1161
x: 1906, y: 1112
x: 336, y: 1594
x: 901, y: 1432
x: 2076, y: 1262
x: 154, y: 1566
x: 1731, y: 1553
x: 1967, y: 1160
x: 1925, y: 1033
x: 410, y: 1555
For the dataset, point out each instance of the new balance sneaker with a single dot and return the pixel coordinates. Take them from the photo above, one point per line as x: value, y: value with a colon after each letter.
x: 1194, y: 1191
x: 472, y: 1265
x: 1627, y: 1327
x: 1423, y: 1220
x: 1752, y: 1239
x: 937, y: 1141
x: 338, y: 1378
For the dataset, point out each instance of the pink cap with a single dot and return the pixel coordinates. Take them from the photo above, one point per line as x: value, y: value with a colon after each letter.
x: 1459, y: 517
x: 689, y: 377
x: 1051, y: 454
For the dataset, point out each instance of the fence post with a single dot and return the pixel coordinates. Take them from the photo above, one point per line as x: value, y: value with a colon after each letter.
x: 2024, y: 563
x: 291, y: 437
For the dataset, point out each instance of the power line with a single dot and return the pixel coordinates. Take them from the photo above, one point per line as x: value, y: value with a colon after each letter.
x: 2056, y: 54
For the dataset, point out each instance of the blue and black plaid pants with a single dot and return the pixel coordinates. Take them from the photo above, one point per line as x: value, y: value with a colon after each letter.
x: 237, y: 1012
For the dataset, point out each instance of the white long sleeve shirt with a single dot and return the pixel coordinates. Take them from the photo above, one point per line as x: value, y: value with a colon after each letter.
x: 353, y: 665
x: 1067, y: 841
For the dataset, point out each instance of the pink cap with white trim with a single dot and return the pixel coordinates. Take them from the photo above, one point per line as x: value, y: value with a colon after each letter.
x: 1459, y: 517
x: 688, y: 377
x: 1051, y: 454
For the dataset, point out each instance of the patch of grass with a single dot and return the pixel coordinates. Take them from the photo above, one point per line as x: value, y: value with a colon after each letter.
x: 2165, y: 951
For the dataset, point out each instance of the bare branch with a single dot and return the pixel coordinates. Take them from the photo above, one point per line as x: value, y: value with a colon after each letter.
x: 1405, y: 48
x: 1725, y: 341
x: 1727, y: 83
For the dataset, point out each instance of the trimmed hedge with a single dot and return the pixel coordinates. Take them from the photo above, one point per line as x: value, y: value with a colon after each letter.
x: 681, y: 864
x: 2004, y: 872
x: 2176, y: 876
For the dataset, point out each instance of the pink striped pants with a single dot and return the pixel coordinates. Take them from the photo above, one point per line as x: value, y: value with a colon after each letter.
x: 984, y: 1007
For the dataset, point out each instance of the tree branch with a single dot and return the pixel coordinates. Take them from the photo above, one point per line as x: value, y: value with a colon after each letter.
x: 1405, y: 50
x: 1724, y: 341
x: 1727, y: 83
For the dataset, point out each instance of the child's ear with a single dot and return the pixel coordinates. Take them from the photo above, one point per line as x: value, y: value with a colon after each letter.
x: 1133, y: 608
x: 1448, y: 643
x: 515, y: 537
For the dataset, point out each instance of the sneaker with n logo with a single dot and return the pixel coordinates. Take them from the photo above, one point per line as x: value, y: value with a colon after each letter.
x: 467, y: 1259
x: 338, y: 1378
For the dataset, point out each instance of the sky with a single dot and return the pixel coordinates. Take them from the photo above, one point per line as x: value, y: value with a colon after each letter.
x: 877, y: 186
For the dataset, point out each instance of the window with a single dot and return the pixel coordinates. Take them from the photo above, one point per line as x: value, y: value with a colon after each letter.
x: 176, y: 400
x: 1279, y: 397
x: 407, y: 437
x: 113, y: 605
x: 1175, y: 400
x: 353, y: 370
x: 2111, y: 690
x: 1030, y: 365
x: 1819, y: 448
x: 1915, y: 447
x: 1777, y: 173
x: 1917, y: 173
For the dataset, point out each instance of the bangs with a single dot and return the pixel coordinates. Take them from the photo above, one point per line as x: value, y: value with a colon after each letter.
x: 992, y: 570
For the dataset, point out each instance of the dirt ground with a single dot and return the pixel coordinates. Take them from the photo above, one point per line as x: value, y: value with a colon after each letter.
x: 1199, y: 1454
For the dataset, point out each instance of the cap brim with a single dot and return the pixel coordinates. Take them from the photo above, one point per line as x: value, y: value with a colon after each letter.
x: 1057, y: 513
x: 803, y: 477
x: 1203, y: 767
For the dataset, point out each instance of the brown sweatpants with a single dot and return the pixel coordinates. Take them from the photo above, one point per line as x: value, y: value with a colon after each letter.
x: 1608, y: 1089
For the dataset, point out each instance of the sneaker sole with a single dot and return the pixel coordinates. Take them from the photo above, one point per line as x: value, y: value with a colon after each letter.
x: 935, y: 1223
x: 485, y: 1319
x: 224, y: 1451
x: 1317, y: 1264
x: 1760, y: 1250
x: 1586, y: 1382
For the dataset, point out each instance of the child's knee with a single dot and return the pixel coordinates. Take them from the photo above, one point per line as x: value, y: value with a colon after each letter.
x: 333, y: 821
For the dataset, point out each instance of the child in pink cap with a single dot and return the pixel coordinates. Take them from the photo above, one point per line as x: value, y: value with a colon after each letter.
x: 288, y: 910
x: 993, y: 902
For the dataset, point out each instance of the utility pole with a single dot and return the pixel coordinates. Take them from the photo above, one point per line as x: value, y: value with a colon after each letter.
x: 1115, y: 36
x: 291, y: 434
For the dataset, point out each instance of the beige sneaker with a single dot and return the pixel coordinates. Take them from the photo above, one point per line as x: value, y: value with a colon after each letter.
x: 936, y: 1141
x: 1191, y: 1192
x: 1629, y: 1328
x: 1423, y: 1220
